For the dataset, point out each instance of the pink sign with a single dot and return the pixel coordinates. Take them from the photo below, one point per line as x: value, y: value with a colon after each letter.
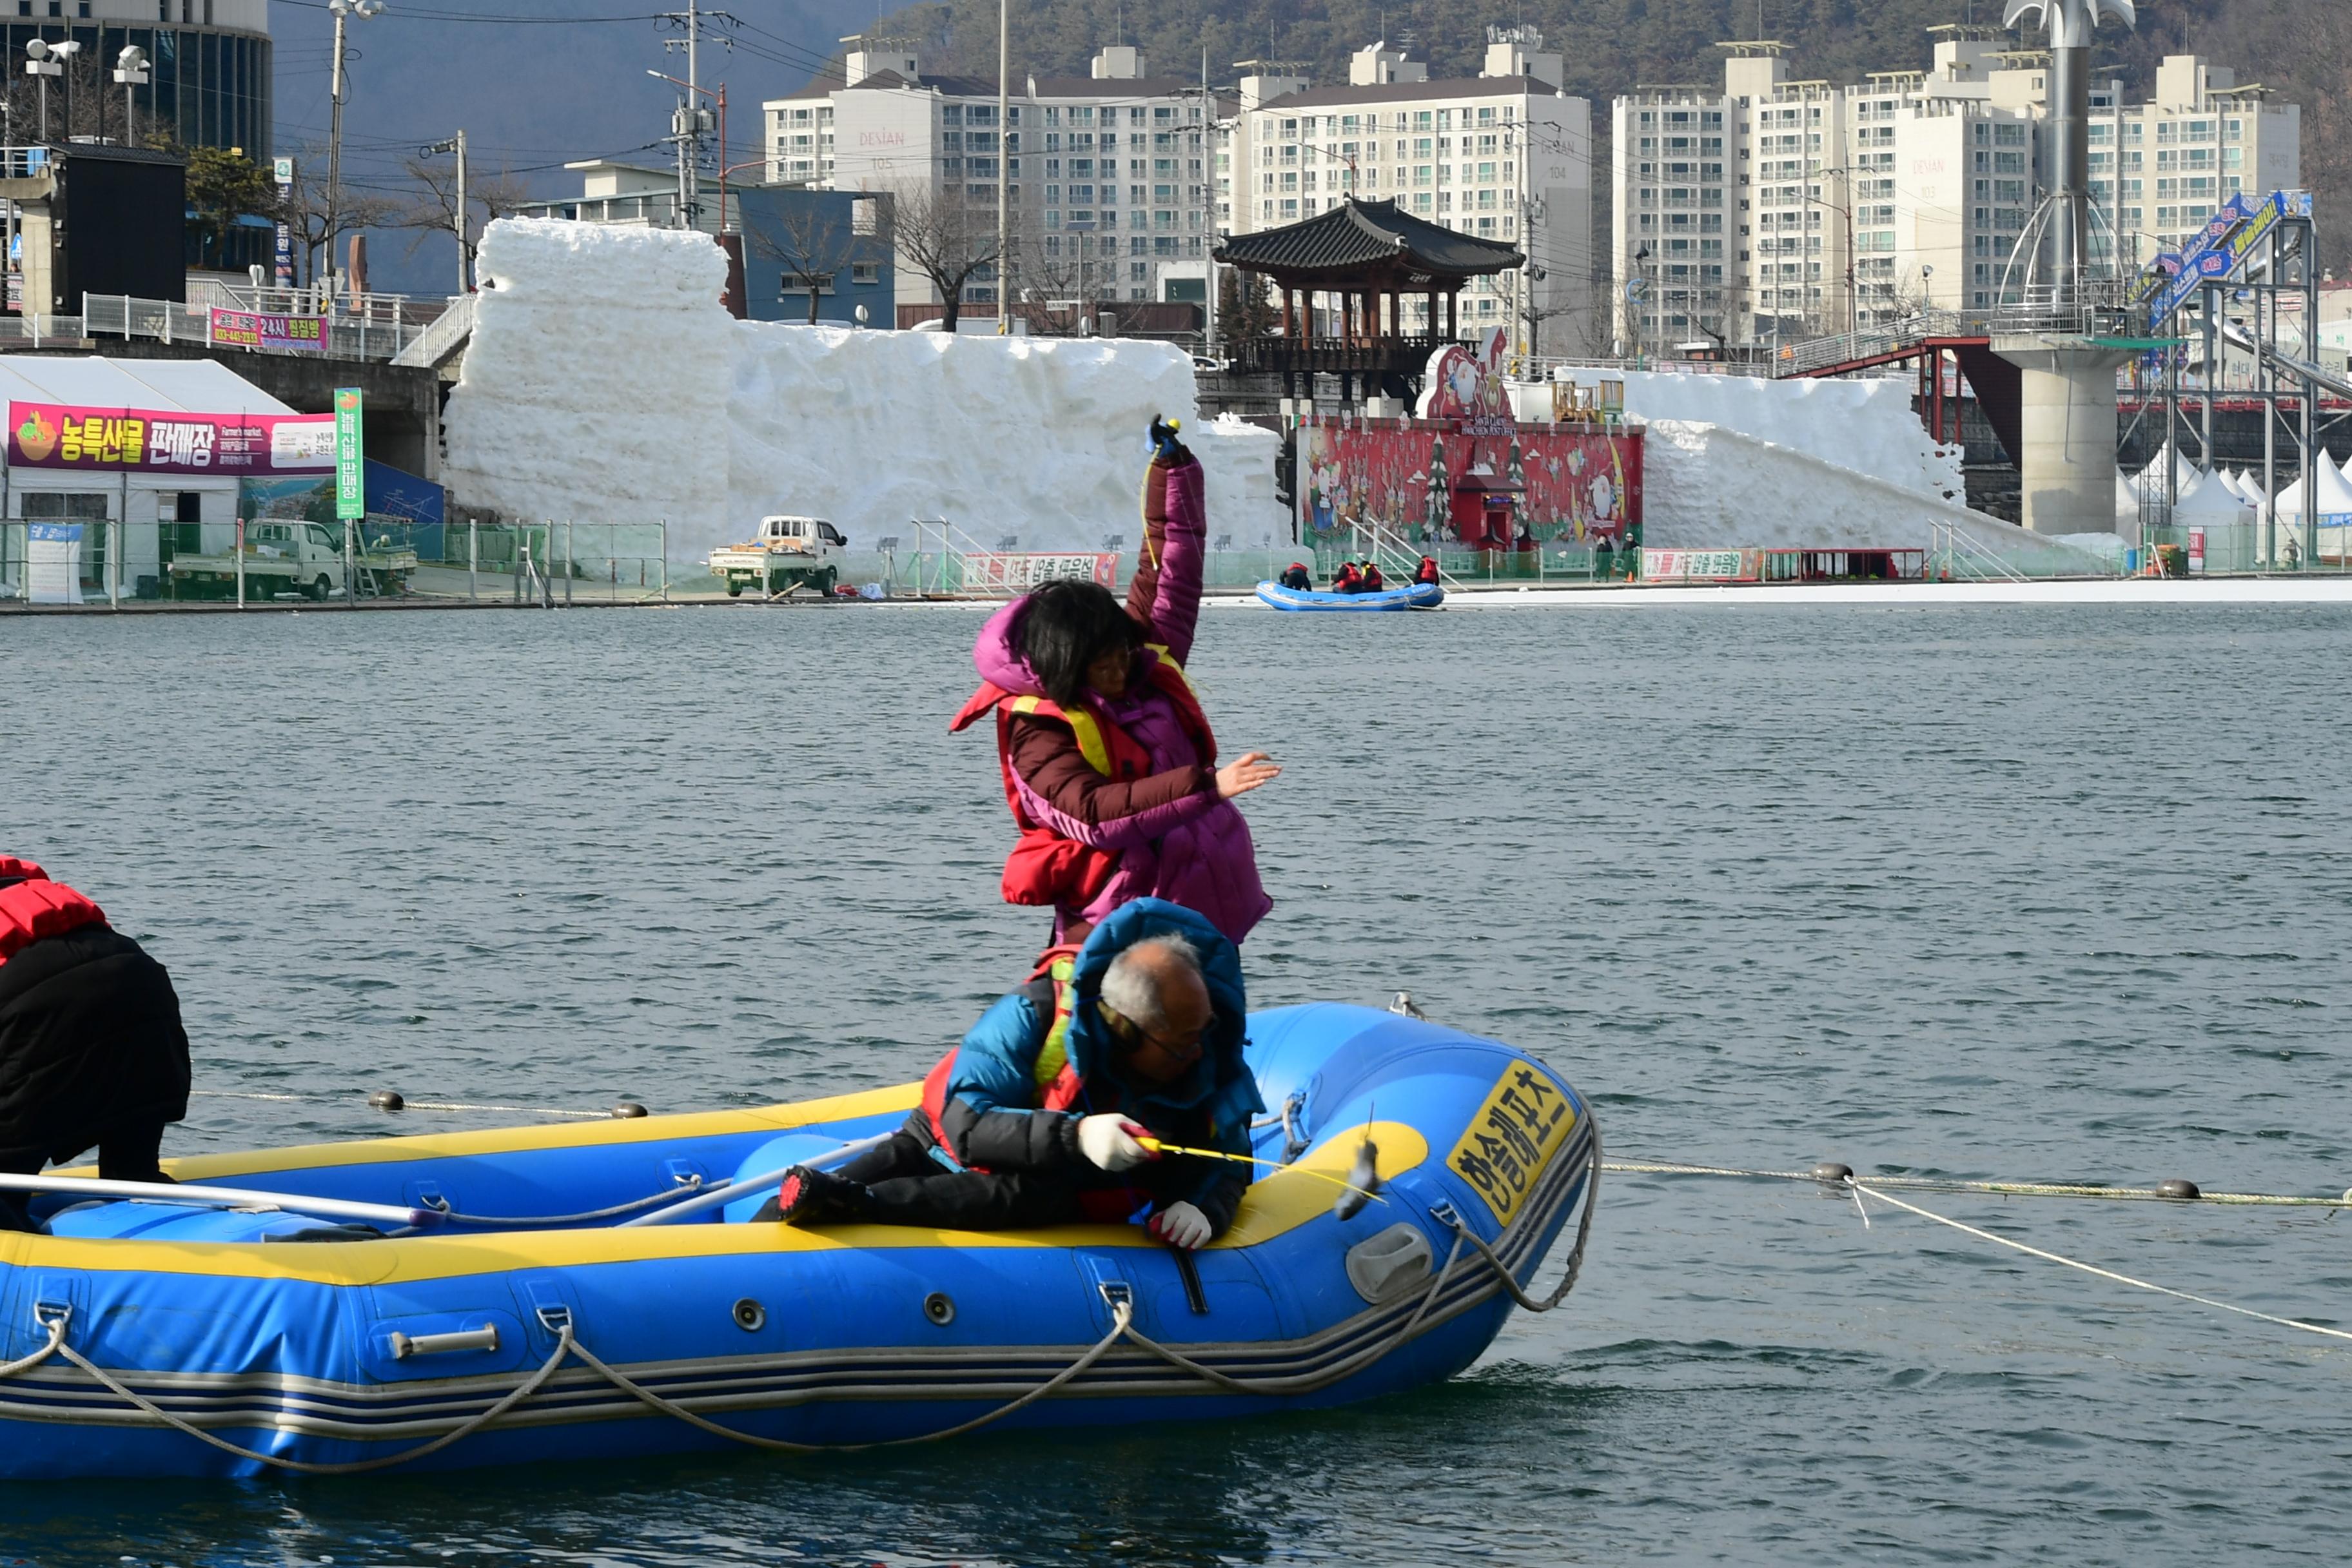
x: 257, y: 330
x: 150, y: 440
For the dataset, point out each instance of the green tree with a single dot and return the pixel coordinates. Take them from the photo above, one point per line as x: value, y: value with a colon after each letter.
x: 223, y: 186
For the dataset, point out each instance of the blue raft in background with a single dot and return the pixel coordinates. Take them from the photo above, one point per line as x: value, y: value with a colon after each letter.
x: 598, y: 1291
x: 1412, y: 596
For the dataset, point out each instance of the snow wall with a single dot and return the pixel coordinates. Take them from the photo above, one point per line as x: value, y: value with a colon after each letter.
x: 1868, y: 426
x: 1704, y: 485
x: 603, y: 382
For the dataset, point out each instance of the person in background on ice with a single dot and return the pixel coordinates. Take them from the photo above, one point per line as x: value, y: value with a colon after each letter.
x: 1038, y: 1118
x: 91, y: 1048
x: 1427, y: 575
x: 1297, y: 576
x: 1107, y: 760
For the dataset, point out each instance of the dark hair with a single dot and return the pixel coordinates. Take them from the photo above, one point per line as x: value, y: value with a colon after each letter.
x: 1068, y: 625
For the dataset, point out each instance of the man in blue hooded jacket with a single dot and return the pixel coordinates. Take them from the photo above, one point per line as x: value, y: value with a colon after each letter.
x: 1052, y: 1109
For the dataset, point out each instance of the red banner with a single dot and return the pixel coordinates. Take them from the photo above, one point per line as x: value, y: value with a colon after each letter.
x: 1476, y: 485
x: 156, y: 441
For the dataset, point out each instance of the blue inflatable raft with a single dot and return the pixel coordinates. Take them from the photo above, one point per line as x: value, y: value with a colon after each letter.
x: 1413, y: 596
x: 599, y: 1289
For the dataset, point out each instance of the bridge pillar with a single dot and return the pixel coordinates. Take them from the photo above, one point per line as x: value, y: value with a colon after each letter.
x: 2066, y: 425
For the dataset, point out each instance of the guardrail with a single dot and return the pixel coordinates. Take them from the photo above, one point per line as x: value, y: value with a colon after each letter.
x: 338, y: 335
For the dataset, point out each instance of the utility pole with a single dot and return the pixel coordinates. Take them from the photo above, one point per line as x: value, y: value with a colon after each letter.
x: 691, y: 122
x: 457, y: 145
x: 342, y: 9
x: 1004, y: 168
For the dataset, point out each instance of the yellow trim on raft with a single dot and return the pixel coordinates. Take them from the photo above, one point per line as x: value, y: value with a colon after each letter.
x: 1279, y: 1201
x: 565, y: 1135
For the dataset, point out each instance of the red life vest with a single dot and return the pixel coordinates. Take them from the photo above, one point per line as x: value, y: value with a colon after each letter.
x: 1057, y: 1079
x: 1044, y: 867
x: 37, y: 908
x: 1428, y: 572
x: 1373, y: 580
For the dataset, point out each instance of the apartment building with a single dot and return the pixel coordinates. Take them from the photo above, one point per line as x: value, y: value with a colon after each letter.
x: 2198, y: 139
x: 1106, y: 173
x: 1778, y: 207
x: 1504, y: 154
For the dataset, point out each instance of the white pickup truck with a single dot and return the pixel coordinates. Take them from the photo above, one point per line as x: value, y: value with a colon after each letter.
x: 289, y: 556
x: 789, y: 552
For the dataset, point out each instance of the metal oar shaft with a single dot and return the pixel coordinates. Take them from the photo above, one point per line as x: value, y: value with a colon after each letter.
x: 222, y: 1197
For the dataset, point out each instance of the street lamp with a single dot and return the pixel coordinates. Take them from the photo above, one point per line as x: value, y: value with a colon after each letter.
x: 456, y: 144
x: 41, y: 67
x: 342, y: 10
x: 130, y: 70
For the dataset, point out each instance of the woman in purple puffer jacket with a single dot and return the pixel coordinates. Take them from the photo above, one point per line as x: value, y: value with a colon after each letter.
x: 1108, y: 763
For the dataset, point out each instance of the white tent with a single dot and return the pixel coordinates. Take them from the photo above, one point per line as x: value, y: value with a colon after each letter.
x: 2251, y: 488
x: 2127, y: 498
x: 2186, y: 474
x: 2229, y: 482
x: 2212, y: 505
x: 2334, y: 491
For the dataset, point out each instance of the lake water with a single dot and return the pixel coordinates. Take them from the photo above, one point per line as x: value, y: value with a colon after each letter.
x: 2053, y: 893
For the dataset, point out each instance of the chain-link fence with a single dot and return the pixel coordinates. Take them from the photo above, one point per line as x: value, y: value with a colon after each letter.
x: 548, y: 563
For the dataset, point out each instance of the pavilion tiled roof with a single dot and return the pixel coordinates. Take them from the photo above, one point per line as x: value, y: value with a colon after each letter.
x: 1357, y: 235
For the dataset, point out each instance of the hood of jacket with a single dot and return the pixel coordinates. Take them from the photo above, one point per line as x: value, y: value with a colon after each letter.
x: 1220, y: 1081
x: 997, y: 653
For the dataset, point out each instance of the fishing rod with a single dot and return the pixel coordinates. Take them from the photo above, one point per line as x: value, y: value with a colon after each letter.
x: 1364, y: 1185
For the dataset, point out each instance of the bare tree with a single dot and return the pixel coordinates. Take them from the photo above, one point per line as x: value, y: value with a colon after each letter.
x: 311, y: 206
x: 945, y: 238
x: 434, y: 207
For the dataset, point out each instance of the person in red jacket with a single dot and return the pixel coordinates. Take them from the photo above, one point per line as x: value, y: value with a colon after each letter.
x: 1372, y: 582
x: 91, y: 1048
x: 1107, y: 761
x: 1427, y: 575
x: 1347, y: 579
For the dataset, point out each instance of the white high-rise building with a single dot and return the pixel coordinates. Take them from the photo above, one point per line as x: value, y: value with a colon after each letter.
x: 1778, y: 208
x: 1504, y: 154
x: 1110, y: 188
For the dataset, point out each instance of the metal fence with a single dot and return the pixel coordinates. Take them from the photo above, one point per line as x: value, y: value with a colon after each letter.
x: 547, y: 563
x: 379, y: 329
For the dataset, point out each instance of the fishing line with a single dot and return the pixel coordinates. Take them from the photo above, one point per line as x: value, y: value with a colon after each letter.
x: 1157, y: 1146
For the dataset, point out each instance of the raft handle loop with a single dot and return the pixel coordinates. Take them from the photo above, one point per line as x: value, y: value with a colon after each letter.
x: 1444, y: 1214
x: 466, y: 1429
x: 556, y: 1320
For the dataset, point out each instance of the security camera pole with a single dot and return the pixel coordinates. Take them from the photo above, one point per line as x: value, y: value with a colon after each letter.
x: 41, y: 67
x: 457, y: 145
x: 342, y: 9
x: 130, y: 70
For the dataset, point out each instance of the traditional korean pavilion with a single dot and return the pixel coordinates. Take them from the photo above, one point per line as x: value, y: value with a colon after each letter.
x: 1357, y: 263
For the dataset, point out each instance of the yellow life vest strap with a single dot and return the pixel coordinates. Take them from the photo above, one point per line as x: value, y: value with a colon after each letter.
x: 1091, y: 744
x: 1055, y: 1053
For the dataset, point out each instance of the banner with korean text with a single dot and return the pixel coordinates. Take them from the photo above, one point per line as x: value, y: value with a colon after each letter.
x: 1007, y: 572
x: 150, y: 440
x: 259, y: 330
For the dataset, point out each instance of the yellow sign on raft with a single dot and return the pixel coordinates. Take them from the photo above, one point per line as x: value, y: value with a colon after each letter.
x: 1526, y: 1118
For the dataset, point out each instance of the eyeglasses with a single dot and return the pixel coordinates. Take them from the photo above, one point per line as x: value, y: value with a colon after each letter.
x: 1177, y: 1048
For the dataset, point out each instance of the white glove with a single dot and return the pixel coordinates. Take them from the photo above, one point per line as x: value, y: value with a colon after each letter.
x: 1180, y: 1224
x: 1109, y: 1142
